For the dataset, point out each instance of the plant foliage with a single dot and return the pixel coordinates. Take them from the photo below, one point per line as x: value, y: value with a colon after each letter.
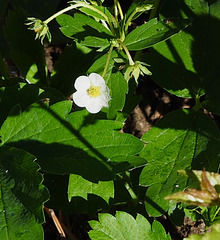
x: 97, y: 167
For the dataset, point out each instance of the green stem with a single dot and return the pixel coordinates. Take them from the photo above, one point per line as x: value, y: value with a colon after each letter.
x: 129, y: 20
x: 107, y: 61
x: 116, y: 10
x: 120, y: 10
x: 198, y: 104
x: 128, y: 186
x: 61, y: 12
x: 131, y: 62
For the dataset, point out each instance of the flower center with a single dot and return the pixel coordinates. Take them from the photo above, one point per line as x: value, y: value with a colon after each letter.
x: 94, y: 91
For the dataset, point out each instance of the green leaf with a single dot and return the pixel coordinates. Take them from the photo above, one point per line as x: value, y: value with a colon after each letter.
x: 27, y: 53
x: 182, y: 139
x: 122, y: 163
x: 153, y: 32
x: 77, y: 143
x: 22, y: 195
x: 188, y: 64
x: 124, y: 226
x: 119, y: 88
x: 80, y: 187
x: 24, y: 95
x: 85, y: 30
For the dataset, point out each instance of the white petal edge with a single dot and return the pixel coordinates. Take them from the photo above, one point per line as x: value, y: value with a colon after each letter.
x: 82, y: 83
x: 81, y: 98
x: 94, y: 105
x: 96, y: 79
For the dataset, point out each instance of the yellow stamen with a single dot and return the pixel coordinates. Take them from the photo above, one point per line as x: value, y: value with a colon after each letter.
x: 94, y: 91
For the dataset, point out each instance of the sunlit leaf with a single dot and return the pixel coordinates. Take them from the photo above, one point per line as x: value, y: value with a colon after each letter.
x: 153, y: 32
x: 77, y: 143
x: 124, y: 226
x: 181, y: 140
x: 80, y: 187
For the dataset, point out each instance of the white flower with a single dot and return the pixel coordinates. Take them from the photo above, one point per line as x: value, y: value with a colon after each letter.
x: 92, y: 92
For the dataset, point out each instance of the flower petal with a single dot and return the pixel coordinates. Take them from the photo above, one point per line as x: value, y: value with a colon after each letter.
x: 81, y: 98
x: 94, y: 105
x: 96, y: 79
x: 82, y: 83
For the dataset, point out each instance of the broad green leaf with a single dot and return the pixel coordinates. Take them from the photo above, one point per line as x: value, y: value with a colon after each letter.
x: 124, y: 226
x: 24, y: 95
x: 80, y: 187
x: 119, y: 88
x: 188, y: 64
x: 22, y: 195
x: 26, y: 53
x: 85, y: 30
x: 182, y: 139
x: 153, y: 32
x: 122, y: 163
x: 77, y: 143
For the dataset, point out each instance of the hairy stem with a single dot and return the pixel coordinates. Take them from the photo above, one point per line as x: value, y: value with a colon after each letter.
x: 131, y: 62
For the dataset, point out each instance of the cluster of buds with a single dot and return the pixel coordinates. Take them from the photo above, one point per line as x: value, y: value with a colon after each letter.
x: 41, y: 29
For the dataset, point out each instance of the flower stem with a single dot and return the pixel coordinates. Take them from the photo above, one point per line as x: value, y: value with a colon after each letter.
x: 61, y: 12
x: 131, y: 62
x: 108, y: 59
x: 128, y: 185
x: 129, y: 20
x: 119, y: 9
x: 116, y: 10
x: 198, y: 104
x: 81, y: 4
